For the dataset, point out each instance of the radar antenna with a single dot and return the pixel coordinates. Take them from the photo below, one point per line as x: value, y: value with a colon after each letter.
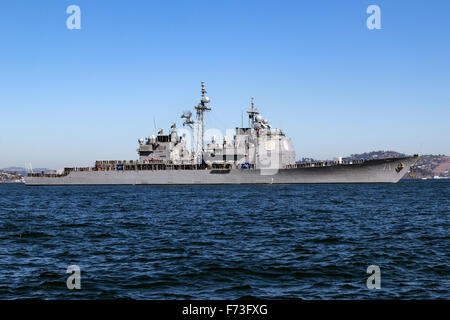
x: 201, y: 108
x: 187, y: 116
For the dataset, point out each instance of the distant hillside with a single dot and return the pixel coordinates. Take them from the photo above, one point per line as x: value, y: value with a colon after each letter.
x: 17, y: 174
x: 431, y: 166
x: 375, y: 155
x: 23, y: 171
x: 10, y: 177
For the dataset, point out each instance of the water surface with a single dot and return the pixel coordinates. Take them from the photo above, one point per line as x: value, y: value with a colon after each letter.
x: 226, y: 242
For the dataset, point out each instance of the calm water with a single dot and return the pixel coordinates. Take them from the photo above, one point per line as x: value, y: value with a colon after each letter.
x: 226, y: 242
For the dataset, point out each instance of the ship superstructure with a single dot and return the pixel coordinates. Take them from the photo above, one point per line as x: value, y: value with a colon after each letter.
x: 256, y: 146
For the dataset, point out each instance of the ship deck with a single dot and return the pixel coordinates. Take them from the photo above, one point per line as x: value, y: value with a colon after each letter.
x: 115, y: 165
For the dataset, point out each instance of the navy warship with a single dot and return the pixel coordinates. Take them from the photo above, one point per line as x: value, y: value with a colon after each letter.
x: 257, y: 154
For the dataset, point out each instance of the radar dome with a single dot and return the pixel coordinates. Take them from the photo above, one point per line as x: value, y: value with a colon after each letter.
x: 258, y: 118
x: 206, y: 100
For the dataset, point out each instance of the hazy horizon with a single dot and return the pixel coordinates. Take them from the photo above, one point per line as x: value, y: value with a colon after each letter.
x: 70, y: 97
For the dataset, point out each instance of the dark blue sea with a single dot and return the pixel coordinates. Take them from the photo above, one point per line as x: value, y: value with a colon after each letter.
x: 226, y: 242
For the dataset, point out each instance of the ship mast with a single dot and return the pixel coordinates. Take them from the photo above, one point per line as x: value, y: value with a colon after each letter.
x: 201, y: 109
x: 252, y: 112
x: 252, y: 115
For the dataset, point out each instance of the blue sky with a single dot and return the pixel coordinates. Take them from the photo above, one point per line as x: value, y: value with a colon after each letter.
x: 69, y: 97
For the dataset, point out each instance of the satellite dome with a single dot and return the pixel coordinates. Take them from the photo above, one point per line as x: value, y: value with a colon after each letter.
x: 285, y: 145
x: 258, y: 118
x: 206, y: 100
x: 270, y: 145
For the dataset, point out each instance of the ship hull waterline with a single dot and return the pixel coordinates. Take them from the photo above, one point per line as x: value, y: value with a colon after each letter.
x: 371, y: 171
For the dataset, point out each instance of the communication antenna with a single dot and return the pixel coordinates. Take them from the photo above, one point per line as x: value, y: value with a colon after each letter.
x: 159, y: 130
x: 186, y: 115
x: 201, y: 108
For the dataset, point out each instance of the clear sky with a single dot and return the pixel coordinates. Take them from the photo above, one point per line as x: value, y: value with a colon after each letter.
x: 69, y: 97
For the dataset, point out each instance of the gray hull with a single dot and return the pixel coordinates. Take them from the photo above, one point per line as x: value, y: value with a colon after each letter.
x: 372, y: 171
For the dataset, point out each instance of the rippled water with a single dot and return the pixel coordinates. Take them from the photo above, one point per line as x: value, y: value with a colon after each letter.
x: 226, y: 242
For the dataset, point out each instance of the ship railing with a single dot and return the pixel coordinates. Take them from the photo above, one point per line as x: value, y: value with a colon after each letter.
x: 46, y: 174
x: 324, y: 164
x: 114, y: 162
x: 143, y: 166
x: 121, y: 166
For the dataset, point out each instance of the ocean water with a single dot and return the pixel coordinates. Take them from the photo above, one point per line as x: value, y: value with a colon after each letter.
x: 226, y: 242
